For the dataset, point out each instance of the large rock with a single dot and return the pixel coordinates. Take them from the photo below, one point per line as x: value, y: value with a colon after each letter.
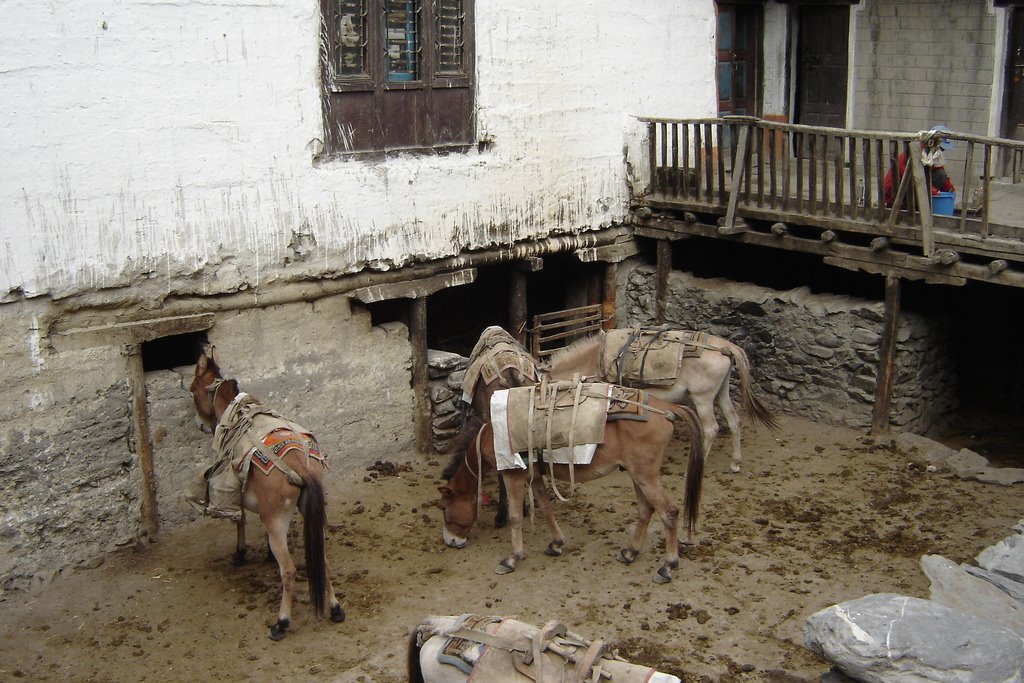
x: 1005, y: 557
x: 884, y: 638
x: 953, y: 586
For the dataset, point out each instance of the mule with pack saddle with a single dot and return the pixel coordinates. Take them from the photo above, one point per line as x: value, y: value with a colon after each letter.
x: 498, y: 361
x: 575, y: 432
x: 269, y: 465
x: 675, y: 365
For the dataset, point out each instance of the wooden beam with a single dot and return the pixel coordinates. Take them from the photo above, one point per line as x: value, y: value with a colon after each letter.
x: 608, y: 300
x: 143, y: 437
x: 924, y: 201
x: 128, y: 334
x: 420, y: 374
x: 413, y: 289
x: 731, y: 226
x: 886, y: 358
x: 897, y: 271
x: 661, y: 284
x: 517, y: 304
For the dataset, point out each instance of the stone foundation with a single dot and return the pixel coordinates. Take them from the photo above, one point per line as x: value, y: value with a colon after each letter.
x: 814, y: 355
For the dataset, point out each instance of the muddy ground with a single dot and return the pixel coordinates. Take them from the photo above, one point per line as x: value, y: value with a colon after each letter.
x: 818, y: 515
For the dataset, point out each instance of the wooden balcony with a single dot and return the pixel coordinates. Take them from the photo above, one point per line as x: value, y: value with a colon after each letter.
x: 820, y: 191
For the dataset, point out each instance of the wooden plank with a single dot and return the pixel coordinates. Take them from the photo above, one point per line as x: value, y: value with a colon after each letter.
x: 143, y: 438
x: 924, y: 202
x: 698, y: 163
x: 737, y: 180
x: 965, y: 192
x: 608, y: 299
x: 986, y: 181
x: 676, y: 173
x: 661, y: 282
x: 686, y: 160
x: 722, y: 154
x: 517, y: 315
x: 773, y: 166
x: 886, y: 358
x: 854, y: 198
x: 708, y: 162
x: 420, y: 374
x: 413, y: 289
x: 652, y: 142
x: 861, y: 265
x: 129, y: 333
x: 663, y: 160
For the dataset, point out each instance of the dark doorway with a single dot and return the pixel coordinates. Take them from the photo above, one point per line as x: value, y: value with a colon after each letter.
x: 822, y: 72
x: 737, y: 49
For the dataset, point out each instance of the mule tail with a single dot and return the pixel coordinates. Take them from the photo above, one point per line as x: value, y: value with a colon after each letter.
x: 413, y: 658
x: 694, y: 467
x: 313, y: 509
x: 752, y: 406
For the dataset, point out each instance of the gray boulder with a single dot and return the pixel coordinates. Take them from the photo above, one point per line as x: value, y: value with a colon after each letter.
x: 888, y: 638
x: 954, y: 586
x: 1005, y: 557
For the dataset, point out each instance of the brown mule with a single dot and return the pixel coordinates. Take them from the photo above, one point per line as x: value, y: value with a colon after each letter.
x: 294, y: 482
x: 637, y: 447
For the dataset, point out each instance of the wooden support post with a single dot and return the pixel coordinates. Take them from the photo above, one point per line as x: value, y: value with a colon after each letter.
x: 661, y: 286
x: 611, y: 271
x: 517, y: 304
x: 924, y: 201
x: 420, y: 374
x: 886, y: 357
x: 143, y: 437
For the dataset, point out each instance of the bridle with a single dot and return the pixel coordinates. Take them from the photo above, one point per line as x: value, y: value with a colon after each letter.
x: 211, y: 393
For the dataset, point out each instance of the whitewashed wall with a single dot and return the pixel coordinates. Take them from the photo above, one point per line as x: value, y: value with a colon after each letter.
x: 147, y: 142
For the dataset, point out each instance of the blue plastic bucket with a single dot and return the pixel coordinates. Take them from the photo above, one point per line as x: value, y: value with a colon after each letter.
x: 942, y: 203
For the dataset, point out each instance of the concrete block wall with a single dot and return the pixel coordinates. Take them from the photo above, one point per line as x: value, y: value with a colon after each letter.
x: 918, y: 63
x: 814, y: 355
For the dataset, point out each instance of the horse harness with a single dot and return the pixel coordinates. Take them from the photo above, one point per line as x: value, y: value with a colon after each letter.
x: 264, y: 444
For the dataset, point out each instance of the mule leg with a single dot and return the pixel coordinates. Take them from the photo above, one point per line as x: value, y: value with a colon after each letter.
x: 705, y: 409
x: 658, y: 499
x: 543, y: 500
x: 732, y: 418
x: 515, y: 483
x: 238, y: 559
x: 277, y: 535
x: 337, y: 613
x: 501, y: 515
x: 636, y: 541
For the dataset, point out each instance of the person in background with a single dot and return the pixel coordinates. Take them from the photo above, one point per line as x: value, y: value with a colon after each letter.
x: 932, y: 148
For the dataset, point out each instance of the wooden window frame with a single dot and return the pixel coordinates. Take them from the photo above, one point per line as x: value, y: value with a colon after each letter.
x: 368, y: 113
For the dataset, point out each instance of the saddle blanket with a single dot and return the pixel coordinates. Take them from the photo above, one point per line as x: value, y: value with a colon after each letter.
x: 552, y: 417
x: 647, y: 357
x: 495, y: 352
x: 501, y: 650
x: 565, y: 414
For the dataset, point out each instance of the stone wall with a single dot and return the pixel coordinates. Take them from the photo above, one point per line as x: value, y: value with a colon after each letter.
x: 814, y: 355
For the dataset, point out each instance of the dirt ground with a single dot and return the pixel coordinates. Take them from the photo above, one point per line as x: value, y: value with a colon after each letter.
x: 819, y: 515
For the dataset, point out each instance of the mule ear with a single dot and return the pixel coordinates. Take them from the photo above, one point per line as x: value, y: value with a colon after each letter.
x: 233, y: 384
x: 446, y: 491
x: 201, y: 364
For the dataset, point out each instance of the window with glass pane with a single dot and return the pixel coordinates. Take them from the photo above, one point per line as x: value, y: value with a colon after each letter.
x: 402, y: 39
x: 350, y: 29
x: 448, y: 37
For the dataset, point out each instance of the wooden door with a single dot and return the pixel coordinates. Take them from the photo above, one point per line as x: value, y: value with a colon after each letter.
x: 737, y: 59
x: 1013, y: 126
x: 822, y: 74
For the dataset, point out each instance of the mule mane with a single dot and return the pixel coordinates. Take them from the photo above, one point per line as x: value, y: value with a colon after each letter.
x: 573, y: 351
x: 459, y: 443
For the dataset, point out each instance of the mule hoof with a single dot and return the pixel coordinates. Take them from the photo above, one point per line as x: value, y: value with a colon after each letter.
x: 734, y: 468
x: 238, y: 558
x: 553, y: 549
x: 337, y: 614
x: 278, y: 630
x: 627, y: 555
x: 504, y: 567
x: 664, y: 574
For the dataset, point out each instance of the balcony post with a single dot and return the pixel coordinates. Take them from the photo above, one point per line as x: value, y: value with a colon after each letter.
x: 886, y: 357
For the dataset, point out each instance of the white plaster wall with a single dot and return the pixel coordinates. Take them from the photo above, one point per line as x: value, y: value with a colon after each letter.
x: 169, y: 145
x: 773, y: 59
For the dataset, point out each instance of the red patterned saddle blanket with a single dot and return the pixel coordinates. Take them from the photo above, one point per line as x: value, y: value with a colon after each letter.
x: 279, y: 442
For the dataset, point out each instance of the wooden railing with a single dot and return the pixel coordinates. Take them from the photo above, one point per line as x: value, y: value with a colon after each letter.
x: 831, y: 177
x: 552, y: 331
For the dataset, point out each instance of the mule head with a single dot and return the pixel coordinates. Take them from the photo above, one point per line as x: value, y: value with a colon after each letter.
x: 458, y: 512
x: 210, y: 392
